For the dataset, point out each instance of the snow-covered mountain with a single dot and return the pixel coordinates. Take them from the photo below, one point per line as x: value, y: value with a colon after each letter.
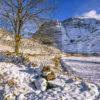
x: 77, y: 35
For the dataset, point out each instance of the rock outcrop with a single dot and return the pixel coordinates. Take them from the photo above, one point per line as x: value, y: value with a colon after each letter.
x: 74, y: 35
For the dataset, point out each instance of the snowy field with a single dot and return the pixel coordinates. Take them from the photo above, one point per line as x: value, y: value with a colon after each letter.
x: 16, y: 83
x: 87, y: 68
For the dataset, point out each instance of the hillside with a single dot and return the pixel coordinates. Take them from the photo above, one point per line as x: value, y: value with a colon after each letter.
x: 31, y: 48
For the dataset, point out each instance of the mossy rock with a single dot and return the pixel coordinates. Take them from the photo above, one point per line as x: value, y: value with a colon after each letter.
x: 51, y: 76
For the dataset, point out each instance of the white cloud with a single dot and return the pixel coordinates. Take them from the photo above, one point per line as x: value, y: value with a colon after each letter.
x: 91, y: 14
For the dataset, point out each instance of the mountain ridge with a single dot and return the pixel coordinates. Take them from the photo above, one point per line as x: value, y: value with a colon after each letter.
x: 76, y: 35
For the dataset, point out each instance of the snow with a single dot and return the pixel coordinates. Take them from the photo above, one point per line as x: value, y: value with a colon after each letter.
x: 86, y: 36
x: 21, y: 97
x: 69, y: 90
x: 77, y: 35
x: 87, y: 68
x: 65, y: 87
x: 41, y: 84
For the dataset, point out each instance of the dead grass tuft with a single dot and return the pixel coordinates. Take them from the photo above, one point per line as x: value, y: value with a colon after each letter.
x: 56, y: 61
x: 11, y: 82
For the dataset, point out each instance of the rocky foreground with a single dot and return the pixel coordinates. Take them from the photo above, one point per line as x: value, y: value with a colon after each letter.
x: 27, y: 82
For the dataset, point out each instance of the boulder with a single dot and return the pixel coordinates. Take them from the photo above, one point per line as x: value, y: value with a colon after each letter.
x: 37, y: 71
x: 47, y: 73
x: 21, y: 97
x: 51, y: 76
x: 41, y: 84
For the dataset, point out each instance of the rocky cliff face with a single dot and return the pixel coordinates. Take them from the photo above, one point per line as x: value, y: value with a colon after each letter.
x: 77, y: 35
x: 55, y: 31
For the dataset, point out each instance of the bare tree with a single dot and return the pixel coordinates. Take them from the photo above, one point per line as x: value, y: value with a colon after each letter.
x: 19, y: 12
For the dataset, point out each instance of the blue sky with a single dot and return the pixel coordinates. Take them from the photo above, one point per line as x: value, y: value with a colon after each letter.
x: 70, y: 8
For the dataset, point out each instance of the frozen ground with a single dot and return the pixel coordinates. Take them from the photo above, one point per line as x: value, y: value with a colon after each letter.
x: 87, y: 68
x: 15, y: 83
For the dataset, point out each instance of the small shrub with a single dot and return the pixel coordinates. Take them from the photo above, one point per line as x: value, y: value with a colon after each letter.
x: 47, y: 42
x: 34, y: 65
x: 8, y: 53
x: 43, y: 38
x: 56, y: 61
x: 11, y: 82
x: 46, y: 69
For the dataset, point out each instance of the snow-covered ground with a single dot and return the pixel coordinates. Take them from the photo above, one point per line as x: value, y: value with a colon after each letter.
x: 16, y: 84
x: 87, y: 68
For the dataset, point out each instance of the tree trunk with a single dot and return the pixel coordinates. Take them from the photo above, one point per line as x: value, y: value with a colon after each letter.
x: 17, y: 43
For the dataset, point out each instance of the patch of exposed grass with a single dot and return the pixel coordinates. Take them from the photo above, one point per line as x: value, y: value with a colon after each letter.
x: 43, y: 38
